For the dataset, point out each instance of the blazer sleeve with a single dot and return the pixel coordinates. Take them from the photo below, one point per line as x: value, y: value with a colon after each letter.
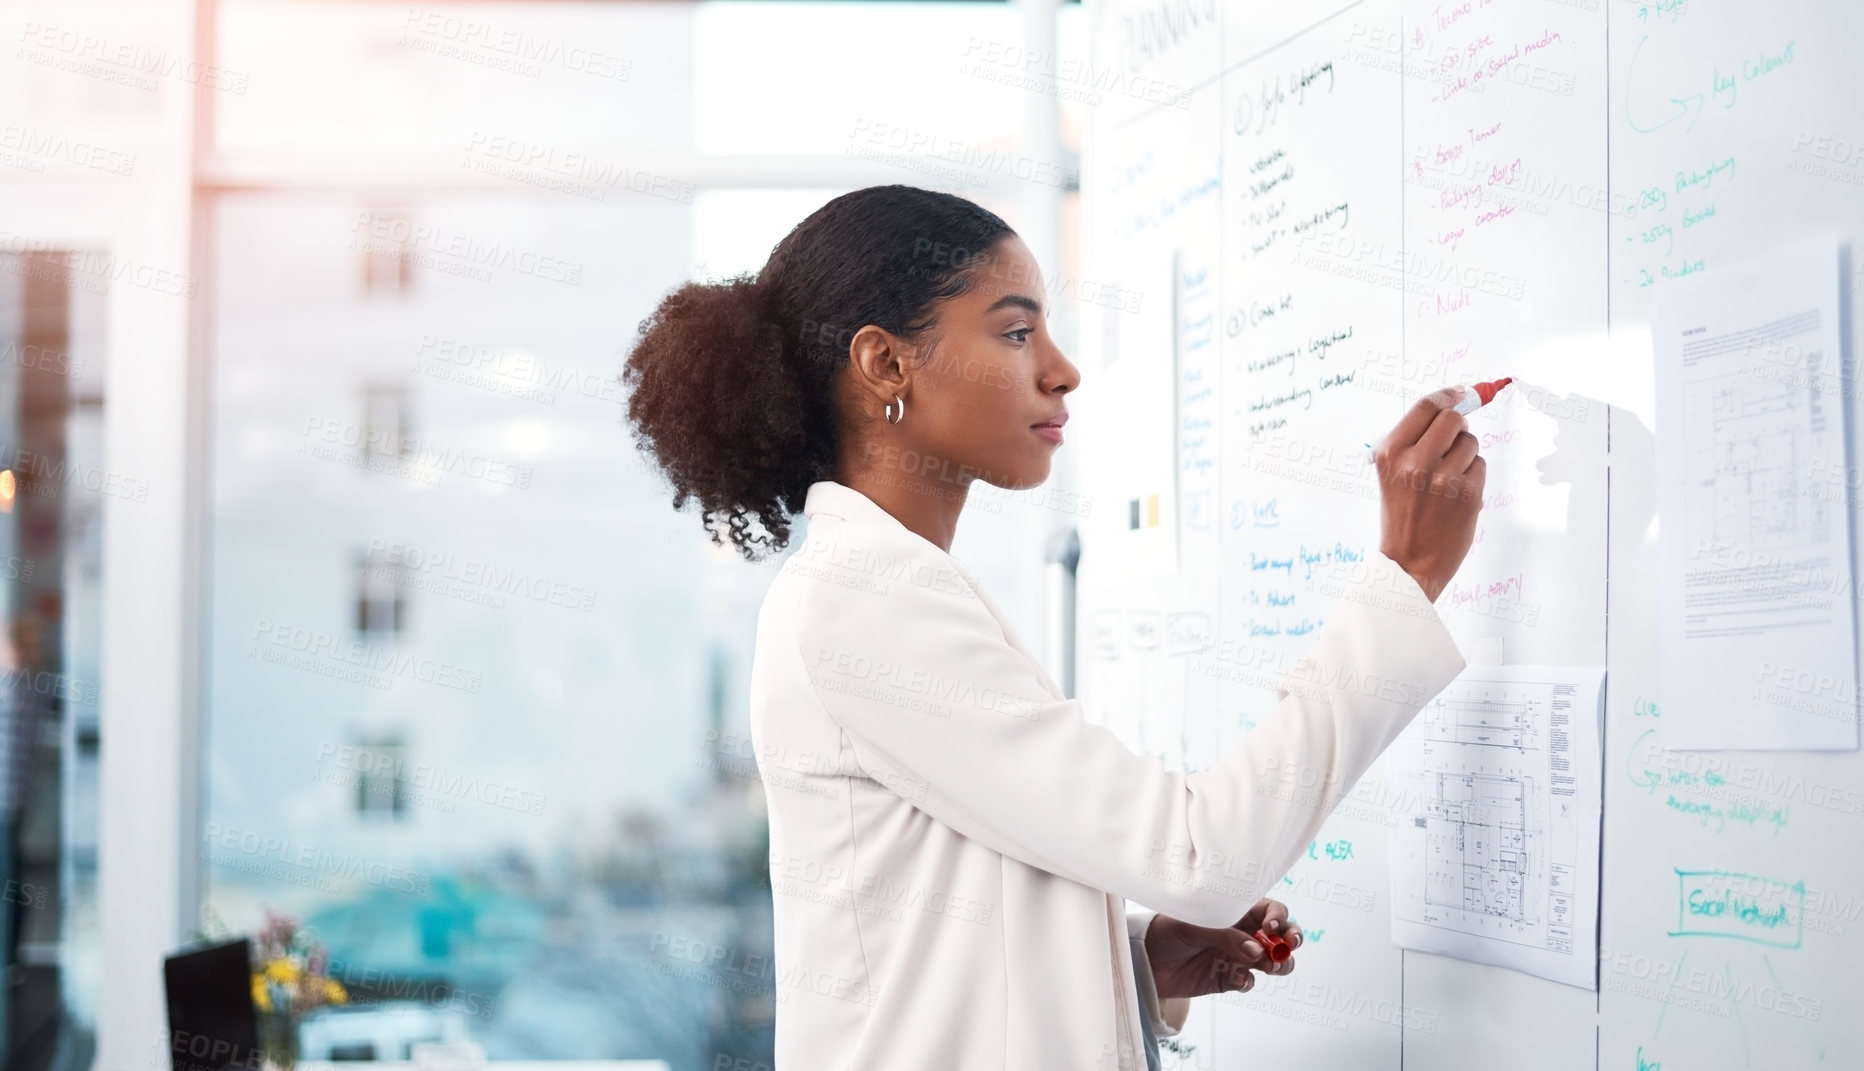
x: 1164, y: 1016
x: 938, y: 705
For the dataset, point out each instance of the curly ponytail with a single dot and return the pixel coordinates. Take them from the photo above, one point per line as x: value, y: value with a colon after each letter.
x: 731, y: 384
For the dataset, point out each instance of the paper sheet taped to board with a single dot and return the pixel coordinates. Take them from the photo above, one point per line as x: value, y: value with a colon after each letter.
x: 1758, y: 648
x: 1497, y: 859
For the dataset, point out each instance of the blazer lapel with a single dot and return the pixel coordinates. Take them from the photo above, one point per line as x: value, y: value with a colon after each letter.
x: 840, y: 500
x: 1010, y: 635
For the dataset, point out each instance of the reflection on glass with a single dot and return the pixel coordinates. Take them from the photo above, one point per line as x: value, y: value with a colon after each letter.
x: 476, y: 696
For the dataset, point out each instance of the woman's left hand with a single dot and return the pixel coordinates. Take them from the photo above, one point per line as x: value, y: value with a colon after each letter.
x: 1193, y: 961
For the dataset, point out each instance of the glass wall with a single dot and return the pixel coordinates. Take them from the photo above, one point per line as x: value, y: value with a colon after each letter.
x: 475, y: 694
x: 467, y: 665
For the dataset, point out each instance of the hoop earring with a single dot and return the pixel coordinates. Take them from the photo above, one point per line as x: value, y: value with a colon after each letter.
x: 889, y: 410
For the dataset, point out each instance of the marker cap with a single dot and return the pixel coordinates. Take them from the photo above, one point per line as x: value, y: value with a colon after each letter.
x: 1277, y: 948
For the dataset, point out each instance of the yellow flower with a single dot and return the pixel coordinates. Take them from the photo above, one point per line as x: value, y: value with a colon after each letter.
x: 282, y: 971
x: 261, y: 999
x: 334, y: 992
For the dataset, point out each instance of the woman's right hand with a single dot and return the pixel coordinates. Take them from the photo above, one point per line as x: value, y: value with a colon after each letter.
x: 1431, y: 480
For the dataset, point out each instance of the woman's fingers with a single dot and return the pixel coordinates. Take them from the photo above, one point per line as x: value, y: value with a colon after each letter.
x: 1430, y: 492
x: 1288, y: 930
x: 1422, y: 414
x: 1254, y: 917
x: 1240, y: 980
x: 1274, y: 916
x: 1441, y: 435
x: 1462, y: 452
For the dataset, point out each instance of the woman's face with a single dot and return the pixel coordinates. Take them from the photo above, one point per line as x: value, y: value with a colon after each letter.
x: 994, y: 373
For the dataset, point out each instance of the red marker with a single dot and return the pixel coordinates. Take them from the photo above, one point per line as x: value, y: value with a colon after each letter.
x: 1277, y: 948
x: 1478, y: 395
x: 1475, y: 396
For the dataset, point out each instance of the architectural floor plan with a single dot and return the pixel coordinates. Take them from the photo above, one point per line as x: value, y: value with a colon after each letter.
x: 1497, y: 857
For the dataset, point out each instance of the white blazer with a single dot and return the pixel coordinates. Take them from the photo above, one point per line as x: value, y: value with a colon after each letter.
x: 952, y: 842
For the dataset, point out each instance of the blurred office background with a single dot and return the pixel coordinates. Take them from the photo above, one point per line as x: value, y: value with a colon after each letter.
x: 333, y: 584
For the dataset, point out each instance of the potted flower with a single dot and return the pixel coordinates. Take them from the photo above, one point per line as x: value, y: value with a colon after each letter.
x: 289, y: 977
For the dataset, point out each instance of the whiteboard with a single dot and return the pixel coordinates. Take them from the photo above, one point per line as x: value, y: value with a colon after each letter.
x: 1345, y: 206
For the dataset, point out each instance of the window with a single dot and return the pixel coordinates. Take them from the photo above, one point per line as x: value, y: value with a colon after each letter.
x: 385, y: 428
x: 380, y: 777
x: 381, y: 596
x: 386, y: 252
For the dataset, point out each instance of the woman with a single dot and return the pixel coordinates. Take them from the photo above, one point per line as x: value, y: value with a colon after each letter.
x: 951, y: 842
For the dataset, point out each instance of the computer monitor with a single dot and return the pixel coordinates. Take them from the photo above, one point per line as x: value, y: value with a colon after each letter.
x: 211, y: 1022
